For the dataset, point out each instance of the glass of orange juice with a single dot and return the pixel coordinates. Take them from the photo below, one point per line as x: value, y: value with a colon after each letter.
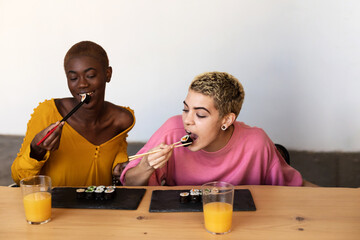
x: 36, y: 192
x: 218, y: 198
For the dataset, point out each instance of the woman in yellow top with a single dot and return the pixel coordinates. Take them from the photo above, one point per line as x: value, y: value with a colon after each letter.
x: 85, y: 149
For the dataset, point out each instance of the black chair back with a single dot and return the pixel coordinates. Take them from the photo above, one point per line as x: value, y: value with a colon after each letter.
x: 284, y: 152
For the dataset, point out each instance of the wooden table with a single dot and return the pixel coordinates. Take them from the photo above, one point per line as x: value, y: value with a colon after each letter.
x: 282, y: 213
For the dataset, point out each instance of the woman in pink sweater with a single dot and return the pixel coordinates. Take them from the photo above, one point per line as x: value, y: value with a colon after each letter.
x: 223, y: 148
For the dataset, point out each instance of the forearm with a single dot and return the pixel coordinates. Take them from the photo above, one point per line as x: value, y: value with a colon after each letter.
x: 139, y: 175
x: 25, y: 166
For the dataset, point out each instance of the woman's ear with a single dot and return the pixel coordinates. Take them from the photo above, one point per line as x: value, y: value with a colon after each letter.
x: 229, y: 119
x: 108, y: 74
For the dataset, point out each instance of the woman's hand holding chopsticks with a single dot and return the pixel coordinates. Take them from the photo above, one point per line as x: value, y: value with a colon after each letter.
x: 51, y: 143
x: 161, y: 155
x: 152, y: 160
x: 140, y: 174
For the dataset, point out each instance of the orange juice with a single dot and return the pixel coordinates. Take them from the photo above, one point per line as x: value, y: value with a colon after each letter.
x: 37, y: 206
x: 218, y: 217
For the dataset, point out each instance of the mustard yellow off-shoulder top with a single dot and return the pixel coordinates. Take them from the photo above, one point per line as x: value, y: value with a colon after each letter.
x: 77, y: 162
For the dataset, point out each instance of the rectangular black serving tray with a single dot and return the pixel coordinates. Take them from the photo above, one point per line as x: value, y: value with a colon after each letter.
x: 124, y: 199
x: 169, y: 201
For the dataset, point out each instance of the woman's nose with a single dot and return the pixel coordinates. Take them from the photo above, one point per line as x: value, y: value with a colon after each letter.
x: 83, y: 82
x: 188, y: 118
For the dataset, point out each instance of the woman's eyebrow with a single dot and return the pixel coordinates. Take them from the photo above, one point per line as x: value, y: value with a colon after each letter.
x: 86, y: 70
x: 202, y: 108
x: 198, y: 108
x: 90, y: 68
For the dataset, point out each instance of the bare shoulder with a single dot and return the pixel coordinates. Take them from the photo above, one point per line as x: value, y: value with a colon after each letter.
x: 63, y: 105
x: 122, y: 117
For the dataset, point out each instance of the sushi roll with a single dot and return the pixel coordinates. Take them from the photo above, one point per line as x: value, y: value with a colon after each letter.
x: 99, y: 192
x: 186, y: 140
x: 184, y: 197
x: 214, y: 190
x: 195, y: 190
x: 80, y: 193
x: 109, y: 193
x: 206, y: 191
x: 195, y: 195
x: 200, y: 195
x: 89, y: 193
x: 91, y: 188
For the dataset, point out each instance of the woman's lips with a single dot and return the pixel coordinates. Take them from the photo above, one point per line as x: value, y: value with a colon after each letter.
x: 87, y: 93
x: 192, y: 135
x: 82, y: 95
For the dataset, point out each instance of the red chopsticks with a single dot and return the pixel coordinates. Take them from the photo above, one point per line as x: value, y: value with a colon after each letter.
x: 84, y: 99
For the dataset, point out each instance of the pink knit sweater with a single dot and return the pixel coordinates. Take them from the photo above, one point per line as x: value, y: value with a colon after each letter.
x: 249, y: 158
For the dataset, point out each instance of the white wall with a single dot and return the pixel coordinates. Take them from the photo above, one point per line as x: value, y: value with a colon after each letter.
x: 298, y: 60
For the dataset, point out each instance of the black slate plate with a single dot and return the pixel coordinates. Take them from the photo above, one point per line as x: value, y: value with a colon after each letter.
x: 169, y: 201
x: 125, y: 199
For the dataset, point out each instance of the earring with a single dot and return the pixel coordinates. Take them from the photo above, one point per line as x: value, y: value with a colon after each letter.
x: 223, y: 127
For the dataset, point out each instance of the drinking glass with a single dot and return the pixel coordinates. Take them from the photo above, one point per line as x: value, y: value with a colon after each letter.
x: 36, y: 193
x: 218, y: 198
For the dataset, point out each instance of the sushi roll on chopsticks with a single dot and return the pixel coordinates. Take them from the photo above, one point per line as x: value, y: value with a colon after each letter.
x: 186, y: 140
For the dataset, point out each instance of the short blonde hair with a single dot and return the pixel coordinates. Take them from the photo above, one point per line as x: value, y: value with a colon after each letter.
x: 225, y: 89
